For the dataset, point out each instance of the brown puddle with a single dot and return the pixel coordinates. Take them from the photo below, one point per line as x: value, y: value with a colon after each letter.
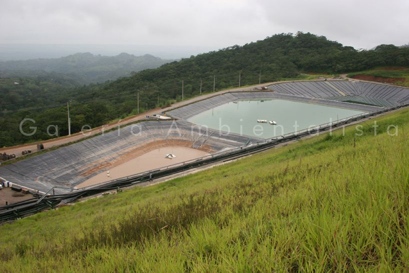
x: 153, y: 159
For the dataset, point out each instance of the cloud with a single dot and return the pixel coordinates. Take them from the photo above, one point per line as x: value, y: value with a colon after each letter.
x: 359, y: 23
x: 211, y: 23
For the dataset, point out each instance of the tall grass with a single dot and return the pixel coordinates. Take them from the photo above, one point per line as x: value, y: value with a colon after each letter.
x: 333, y: 203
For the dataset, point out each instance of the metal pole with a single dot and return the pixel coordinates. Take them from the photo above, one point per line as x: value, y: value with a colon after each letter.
x: 214, y: 83
x: 138, y: 102
x: 239, y: 78
x: 69, y: 119
x: 201, y: 84
x: 182, y: 88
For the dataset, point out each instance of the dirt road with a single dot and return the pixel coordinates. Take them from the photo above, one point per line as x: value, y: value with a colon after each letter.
x: 17, y: 150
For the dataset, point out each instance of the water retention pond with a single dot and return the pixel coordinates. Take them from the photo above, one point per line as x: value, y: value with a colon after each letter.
x: 268, y: 118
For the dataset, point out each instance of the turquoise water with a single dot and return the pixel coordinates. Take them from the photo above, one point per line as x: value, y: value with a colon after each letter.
x: 241, y: 117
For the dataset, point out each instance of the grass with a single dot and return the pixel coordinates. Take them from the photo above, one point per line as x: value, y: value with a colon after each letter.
x: 315, y: 76
x: 337, y: 202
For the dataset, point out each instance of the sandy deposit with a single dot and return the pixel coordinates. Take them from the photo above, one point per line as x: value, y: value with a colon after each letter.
x: 8, y: 196
x: 136, y: 163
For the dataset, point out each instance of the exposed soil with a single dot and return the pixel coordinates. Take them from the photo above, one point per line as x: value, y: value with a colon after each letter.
x: 8, y: 196
x: 378, y: 79
x: 141, y: 161
x: 141, y: 150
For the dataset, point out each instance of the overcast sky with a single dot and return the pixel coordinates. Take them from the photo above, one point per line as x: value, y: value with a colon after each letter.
x: 201, y: 24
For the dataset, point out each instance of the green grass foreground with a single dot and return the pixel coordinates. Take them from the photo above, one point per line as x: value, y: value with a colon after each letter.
x: 330, y: 203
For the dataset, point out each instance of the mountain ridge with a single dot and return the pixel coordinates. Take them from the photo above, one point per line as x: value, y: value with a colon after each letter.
x: 84, y: 67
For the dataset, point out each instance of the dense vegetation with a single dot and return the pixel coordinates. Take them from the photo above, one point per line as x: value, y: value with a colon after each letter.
x: 277, y: 57
x: 280, y: 56
x: 333, y: 203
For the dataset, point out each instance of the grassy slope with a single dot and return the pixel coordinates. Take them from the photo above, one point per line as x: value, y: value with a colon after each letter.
x: 330, y: 203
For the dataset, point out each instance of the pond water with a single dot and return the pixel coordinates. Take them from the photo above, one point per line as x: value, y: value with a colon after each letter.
x: 241, y: 117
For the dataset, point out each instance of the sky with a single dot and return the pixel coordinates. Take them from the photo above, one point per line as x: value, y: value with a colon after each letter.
x: 189, y: 27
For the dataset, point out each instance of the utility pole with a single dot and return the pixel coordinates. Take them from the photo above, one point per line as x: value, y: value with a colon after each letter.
x: 182, y: 88
x: 239, y: 78
x: 201, y: 84
x: 214, y: 83
x: 138, y: 102
x: 259, y: 77
x: 69, y: 118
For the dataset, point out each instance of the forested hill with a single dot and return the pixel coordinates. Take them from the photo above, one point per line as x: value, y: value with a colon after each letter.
x: 278, y: 57
x: 83, y: 68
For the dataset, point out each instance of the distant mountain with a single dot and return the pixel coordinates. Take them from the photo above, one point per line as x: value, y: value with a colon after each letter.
x: 84, y: 68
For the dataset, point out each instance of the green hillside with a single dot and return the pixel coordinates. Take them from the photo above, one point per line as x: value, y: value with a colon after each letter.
x: 331, y: 203
x: 274, y: 58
